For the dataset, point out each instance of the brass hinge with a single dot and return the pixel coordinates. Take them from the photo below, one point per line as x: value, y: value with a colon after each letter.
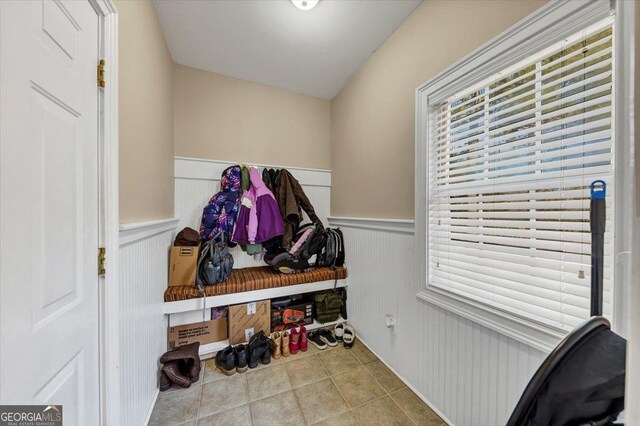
x: 101, y: 82
x: 101, y: 260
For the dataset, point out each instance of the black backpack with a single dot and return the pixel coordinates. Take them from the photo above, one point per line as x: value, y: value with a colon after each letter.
x: 216, y: 263
x: 332, y: 254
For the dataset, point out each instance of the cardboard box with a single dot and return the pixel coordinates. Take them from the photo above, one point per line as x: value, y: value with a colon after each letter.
x: 182, y: 265
x: 247, y: 319
x: 209, y: 332
x: 291, y: 316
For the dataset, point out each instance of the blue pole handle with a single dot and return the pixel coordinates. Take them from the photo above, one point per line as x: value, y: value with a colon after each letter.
x: 598, y: 193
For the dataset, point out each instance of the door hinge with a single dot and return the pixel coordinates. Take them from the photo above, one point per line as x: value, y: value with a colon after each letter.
x: 101, y: 81
x: 101, y: 260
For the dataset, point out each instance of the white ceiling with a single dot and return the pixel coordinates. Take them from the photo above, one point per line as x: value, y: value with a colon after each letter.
x: 272, y: 42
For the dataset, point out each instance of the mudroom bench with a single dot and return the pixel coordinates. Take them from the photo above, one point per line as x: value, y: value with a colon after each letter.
x: 184, y: 304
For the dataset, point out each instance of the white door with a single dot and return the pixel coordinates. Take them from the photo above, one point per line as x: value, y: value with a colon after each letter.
x: 49, y: 207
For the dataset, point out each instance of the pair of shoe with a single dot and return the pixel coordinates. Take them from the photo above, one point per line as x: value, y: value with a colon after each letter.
x: 239, y: 358
x: 288, y: 342
x: 345, y: 334
x: 232, y: 359
x: 322, y: 338
x: 181, y: 366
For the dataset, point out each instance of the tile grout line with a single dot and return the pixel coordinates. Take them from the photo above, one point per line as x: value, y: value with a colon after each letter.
x: 246, y: 390
x: 338, y: 389
x: 201, y: 391
x: 389, y: 393
x: 386, y: 393
x: 343, y: 398
x: 286, y: 373
x: 402, y: 409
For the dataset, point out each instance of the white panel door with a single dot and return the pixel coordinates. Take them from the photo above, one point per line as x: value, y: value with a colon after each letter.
x: 49, y: 207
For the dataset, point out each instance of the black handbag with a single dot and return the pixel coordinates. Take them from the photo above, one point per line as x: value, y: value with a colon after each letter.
x: 215, y: 264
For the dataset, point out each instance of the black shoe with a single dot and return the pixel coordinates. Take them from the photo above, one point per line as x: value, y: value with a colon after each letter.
x: 266, y: 344
x: 327, y: 337
x: 240, y: 353
x: 256, y: 349
x: 317, y: 341
x: 226, y: 361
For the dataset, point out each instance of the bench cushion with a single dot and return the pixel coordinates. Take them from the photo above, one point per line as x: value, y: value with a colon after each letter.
x: 249, y: 279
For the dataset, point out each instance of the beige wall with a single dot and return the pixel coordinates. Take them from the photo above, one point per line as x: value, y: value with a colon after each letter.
x: 223, y: 118
x: 372, y: 118
x: 146, y: 114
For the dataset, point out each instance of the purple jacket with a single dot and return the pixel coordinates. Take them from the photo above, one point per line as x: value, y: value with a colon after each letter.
x: 259, y: 216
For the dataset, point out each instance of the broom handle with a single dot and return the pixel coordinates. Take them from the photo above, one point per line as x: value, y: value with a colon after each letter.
x: 598, y: 221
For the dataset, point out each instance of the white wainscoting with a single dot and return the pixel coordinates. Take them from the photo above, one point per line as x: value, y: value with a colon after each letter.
x: 197, y: 180
x: 469, y: 374
x: 144, y: 265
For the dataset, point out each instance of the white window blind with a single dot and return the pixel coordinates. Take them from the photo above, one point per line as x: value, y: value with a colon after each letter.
x: 510, y: 161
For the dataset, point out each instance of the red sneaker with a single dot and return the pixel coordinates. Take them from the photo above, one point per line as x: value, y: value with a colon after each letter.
x: 294, y: 340
x: 304, y: 343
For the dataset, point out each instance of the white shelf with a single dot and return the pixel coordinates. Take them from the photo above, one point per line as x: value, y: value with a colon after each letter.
x: 249, y: 296
x: 209, y: 350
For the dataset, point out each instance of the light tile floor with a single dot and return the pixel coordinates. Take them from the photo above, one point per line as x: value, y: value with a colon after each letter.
x: 335, y: 386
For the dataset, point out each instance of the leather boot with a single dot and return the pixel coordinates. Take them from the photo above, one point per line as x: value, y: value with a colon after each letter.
x: 165, y: 383
x: 241, y: 358
x: 190, y: 357
x: 226, y: 361
x: 276, y: 345
x: 266, y: 356
x: 285, y: 343
x: 256, y: 349
x: 304, y: 342
x: 294, y: 341
x: 176, y: 374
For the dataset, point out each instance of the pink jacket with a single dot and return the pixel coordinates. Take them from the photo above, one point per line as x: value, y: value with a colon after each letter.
x: 259, y: 216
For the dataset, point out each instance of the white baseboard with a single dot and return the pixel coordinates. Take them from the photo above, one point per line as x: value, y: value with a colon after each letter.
x: 153, y: 404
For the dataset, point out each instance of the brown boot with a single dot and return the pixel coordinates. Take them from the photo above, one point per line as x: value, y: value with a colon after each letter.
x: 276, y: 345
x: 176, y: 374
x: 165, y: 383
x: 285, y: 343
x: 190, y: 358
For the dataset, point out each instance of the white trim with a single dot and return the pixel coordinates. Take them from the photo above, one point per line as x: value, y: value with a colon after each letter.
x: 248, y: 296
x: 198, y: 168
x: 549, y: 24
x: 624, y: 193
x: 536, y: 335
x: 627, y: 294
x: 402, y: 226
x: 153, y: 404
x: 409, y: 385
x: 109, y: 332
x: 136, y: 231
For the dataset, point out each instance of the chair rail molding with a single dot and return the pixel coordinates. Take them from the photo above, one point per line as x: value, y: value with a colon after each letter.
x: 136, y: 231
x: 402, y: 226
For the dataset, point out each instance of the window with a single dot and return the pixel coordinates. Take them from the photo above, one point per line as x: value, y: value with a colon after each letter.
x: 510, y: 161
x: 507, y: 142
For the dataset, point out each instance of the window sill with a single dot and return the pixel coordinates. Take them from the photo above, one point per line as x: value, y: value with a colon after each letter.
x: 536, y: 335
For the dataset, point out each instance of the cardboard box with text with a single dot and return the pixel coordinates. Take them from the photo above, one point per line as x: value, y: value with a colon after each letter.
x: 247, y: 319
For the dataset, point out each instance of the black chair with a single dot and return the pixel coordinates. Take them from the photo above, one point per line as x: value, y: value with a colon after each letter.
x: 580, y: 383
